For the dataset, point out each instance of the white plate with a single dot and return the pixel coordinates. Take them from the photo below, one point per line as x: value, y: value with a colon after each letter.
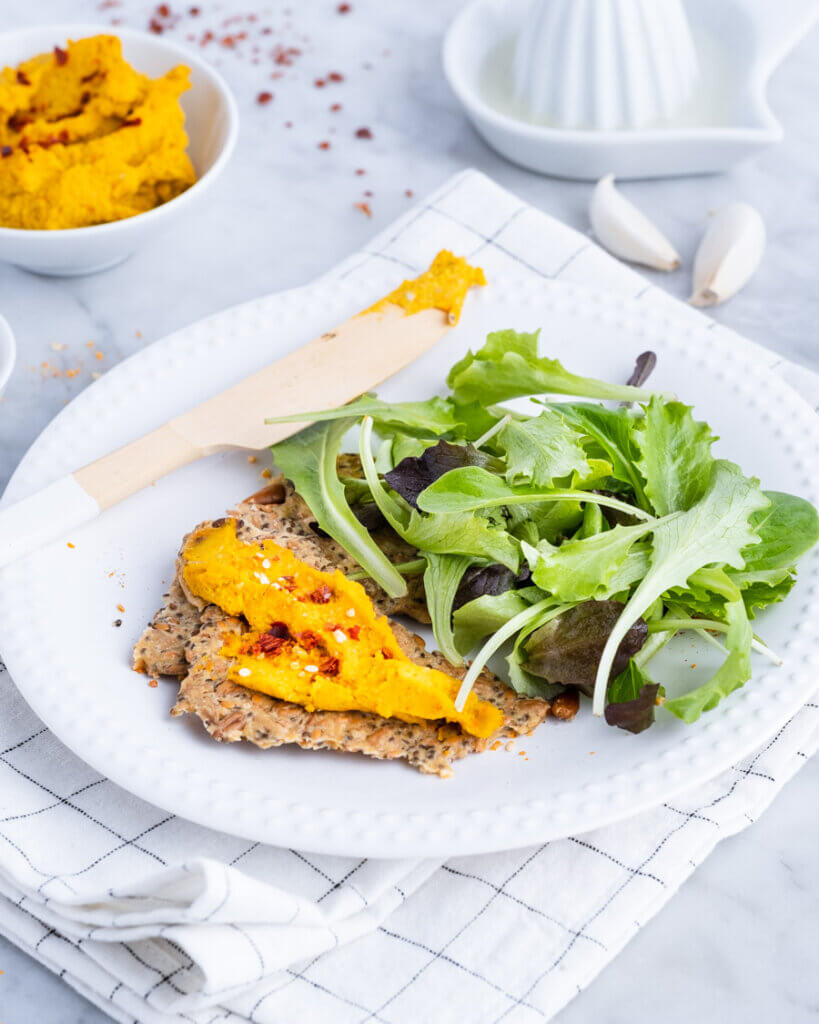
x: 72, y: 665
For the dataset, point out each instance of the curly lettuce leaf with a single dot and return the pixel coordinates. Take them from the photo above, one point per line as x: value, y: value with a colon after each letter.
x: 309, y: 460
x: 787, y: 528
x: 541, y: 450
x: 714, y: 531
x: 508, y: 366
x: 675, y: 455
x: 610, y: 433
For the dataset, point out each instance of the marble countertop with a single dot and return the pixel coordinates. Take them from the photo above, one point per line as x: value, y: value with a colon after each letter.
x: 737, y: 942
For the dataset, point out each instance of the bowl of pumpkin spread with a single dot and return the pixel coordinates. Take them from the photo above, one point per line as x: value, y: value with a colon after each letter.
x: 106, y: 137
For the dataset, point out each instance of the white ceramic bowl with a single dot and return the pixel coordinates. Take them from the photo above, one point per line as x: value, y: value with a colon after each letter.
x: 212, y: 124
x: 8, y: 352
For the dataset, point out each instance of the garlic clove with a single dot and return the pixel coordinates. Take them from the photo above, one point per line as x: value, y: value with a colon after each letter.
x: 626, y: 232
x: 729, y: 254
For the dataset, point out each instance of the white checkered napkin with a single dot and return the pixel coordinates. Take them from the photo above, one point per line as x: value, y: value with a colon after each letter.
x: 159, y: 921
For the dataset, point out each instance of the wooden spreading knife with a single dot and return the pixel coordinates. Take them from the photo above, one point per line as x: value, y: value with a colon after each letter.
x: 331, y: 370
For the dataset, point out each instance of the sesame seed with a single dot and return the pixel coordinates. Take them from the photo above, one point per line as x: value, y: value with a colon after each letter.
x: 351, y: 613
x: 294, y: 664
x: 266, y: 563
x: 311, y: 668
x: 340, y: 637
x: 244, y: 672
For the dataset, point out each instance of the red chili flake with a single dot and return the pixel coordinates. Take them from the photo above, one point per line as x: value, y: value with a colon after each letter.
x: 387, y: 654
x: 329, y: 667
x: 409, y: 193
x: 267, y: 31
x: 287, y: 582
x: 344, y: 8
x: 23, y: 78
x: 335, y: 108
x: 367, y: 192
x: 24, y: 144
x: 285, y: 55
x: 264, y: 97
x: 308, y: 639
x: 63, y: 137
x: 363, y: 133
x: 86, y: 96
x: 353, y: 632
x: 207, y: 37
x: 280, y: 630
x: 163, y: 10
x: 267, y: 645
x: 156, y: 26
x: 106, y: 5
x: 60, y: 56
x: 321, y: 595
x: 324, y: 145
x: 332, y: 627
x: 6, y: 151
x: 228, y: 41
x: 319, y: 83
x: 91, y: 77
x: 335, y: 76
x: 18, y: 121
x: 131, y: 122
x: 194, y: 12
x: 360, y: 171
x: 364, y: 207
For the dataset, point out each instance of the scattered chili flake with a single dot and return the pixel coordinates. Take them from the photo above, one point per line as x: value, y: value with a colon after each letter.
x: 280, y: 630
x: 360, y: 171
x: 63, y: 136
x: 344, y: 8
x: 120, y: 608
x: 288, y: 124
x: 131, y: 122
x: 86, y: 96
x: 329, y: 667
x: 363, y: 133
x: 409, y: 193
x: 252, y: 458
x: 387, y: 655
x: 321, y: 595
x: 6, y: 151
x: 18, y: 121
x: 99, y: 355
x: 23, y: 78
x: 354, y: 632
x: 335, y: 108
x: 324, y: 145
x: 335, y: 76
x: 319, y: 83
x: 285, y: 54
x: 60, y: 56
x: 163, y: 10
x: 364, y: 207
x: 266, y: 473
x: 70, y: 544
x: 264, y: 97
x: 288, y: 583
x: 367, y: 192
x: 156, y: 26
x: 194, y: 12
x: 268, y: 645
x: 153, y: 683
x: 308, y: 639
x: 91, y: 77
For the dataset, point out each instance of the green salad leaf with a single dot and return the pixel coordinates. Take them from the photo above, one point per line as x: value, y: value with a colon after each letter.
x: 309, y: 460
x: 631, y: 700
x: 434, y: 416
x: 541, y: 450
x: 442, y: 578
x: 675, y: 455
x: 787, y: 528
x: 485, y: 615
x: 714, y: 530
x: 508, y: 366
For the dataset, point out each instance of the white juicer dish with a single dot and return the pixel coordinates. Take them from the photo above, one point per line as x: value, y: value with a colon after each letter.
x: 725, y: 119
x: 603, y: 64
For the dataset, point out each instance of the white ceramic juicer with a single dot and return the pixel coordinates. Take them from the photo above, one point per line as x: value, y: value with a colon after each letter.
x: 604, y: 64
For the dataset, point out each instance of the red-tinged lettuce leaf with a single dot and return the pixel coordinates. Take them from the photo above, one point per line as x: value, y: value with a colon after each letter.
x: 414, y: 474
x: 643, y: 369
x: 632, y: 700
x: 568, y: 648
x: 489, y: 581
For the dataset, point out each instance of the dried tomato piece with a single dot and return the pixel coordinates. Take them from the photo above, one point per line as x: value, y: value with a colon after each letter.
x: 23, y: 78
x: 60, y: 56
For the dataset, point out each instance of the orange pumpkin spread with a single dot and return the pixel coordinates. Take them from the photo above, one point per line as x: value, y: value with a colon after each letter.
x: 85, y: 139
x: 443, y: 286
x: 315, y: 638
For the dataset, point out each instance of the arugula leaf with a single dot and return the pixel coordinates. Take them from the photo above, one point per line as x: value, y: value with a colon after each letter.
x: 508, y: 366
x: 541, y: 450
x: 485, y: 615
x: 436, y: 415
x: 714, y: 531
x: 611, y: 430
x: 787, y: 528
x: 582, y: 570
x: 442, y: 578
x: 414, y: 474
x: 675, y: 455
x: 309, y: 460
x: 471, y: 488
x: 734, y: 672
x: 632, y: 699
